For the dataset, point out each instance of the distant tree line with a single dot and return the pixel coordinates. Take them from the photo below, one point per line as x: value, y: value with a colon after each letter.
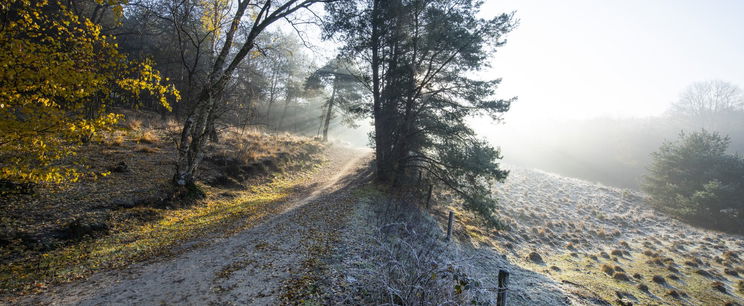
x: 617, y: 151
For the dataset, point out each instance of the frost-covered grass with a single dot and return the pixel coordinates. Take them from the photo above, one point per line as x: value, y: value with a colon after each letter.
x: 577, y: 228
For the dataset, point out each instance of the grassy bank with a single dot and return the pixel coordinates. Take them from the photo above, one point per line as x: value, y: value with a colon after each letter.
x: 217, y: 215
x: 66, y: 232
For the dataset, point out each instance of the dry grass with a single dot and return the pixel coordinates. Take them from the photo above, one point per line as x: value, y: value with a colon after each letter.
x: 134, y: 124
x: 146, y: 149
x: 31, y: 256
x: 117, y: 140
x: 133, y: 243
x: 410, y: 263
x: 658, y: 253
x: 148, y: 136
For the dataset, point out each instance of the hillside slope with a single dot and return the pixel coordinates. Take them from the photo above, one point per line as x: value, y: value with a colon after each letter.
x: 606, y: 246
x: 248, y: 267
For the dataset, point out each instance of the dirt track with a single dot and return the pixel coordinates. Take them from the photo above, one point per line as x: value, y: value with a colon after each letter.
x: 250, y: 267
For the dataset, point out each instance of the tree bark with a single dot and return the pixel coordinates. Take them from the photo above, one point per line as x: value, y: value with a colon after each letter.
x: 196, y: 126
x: 329, y: 112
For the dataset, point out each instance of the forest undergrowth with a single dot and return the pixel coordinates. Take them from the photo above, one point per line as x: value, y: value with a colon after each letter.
x: 125, y: 210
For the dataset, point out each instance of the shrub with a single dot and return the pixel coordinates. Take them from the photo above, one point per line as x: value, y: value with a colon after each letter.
x: 60, y: 74
x: 695, y: 179
x: 413, y: 265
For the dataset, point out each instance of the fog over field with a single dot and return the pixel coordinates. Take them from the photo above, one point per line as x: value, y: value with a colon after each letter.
x: 372, y: 152
x: 597, y: 82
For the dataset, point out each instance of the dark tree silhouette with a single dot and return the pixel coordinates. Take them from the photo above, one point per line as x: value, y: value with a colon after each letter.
x: 419, y: 58
x: 695, y: 179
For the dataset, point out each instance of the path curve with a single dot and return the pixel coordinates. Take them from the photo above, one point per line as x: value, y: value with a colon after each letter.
x: 249, y: 267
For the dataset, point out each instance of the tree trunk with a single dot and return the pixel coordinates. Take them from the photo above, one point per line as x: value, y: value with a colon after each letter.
x: 272, y: 93
x: 195, y: 133
x: 329, y: 112
x: 201, y: 117
x: 382, y: 171
x: 284, y: 112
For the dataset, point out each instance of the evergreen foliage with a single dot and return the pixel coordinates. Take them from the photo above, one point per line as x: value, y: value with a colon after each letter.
x: 695, y: 179
x: 419, y: 58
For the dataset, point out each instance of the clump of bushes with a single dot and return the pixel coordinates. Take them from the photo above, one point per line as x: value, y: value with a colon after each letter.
x: 695, y: 179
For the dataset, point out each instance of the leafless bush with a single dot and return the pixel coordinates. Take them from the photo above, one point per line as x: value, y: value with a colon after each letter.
x: 413, y: 263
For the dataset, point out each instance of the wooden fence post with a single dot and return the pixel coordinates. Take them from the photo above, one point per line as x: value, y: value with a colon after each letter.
x: 428, y: 197
x: 503, y: 283
x: 449, y: 225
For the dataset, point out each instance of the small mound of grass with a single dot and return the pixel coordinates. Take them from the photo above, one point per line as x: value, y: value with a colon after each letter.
x: 642, y: 287
x: 117, y: 140
x: 534, y: 257
x: 703, y: 273
x: 674, y: 294
x: 148, y: 137
x: 621, y: 276
x: 658, y: 279
x: 719, y: 286
x: 607, y: 269
x: 731, y: 272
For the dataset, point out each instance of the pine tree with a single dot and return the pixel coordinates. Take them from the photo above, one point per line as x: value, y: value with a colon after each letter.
x: 420, y: 57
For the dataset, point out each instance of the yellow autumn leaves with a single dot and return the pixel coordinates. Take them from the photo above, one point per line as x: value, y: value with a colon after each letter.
x: 58, y: 73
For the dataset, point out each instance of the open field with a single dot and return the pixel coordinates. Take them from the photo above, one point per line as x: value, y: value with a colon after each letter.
x: 606, y: 246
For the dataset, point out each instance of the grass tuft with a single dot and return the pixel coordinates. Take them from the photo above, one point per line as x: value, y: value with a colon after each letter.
x: 148, y: 137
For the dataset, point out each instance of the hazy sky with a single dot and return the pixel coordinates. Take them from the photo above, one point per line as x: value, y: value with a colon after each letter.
x: 582, y: 58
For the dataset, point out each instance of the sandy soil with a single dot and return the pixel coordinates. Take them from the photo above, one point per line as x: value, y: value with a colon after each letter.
x: 250, y: 267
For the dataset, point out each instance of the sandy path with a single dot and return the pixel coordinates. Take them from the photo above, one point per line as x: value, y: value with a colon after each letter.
x: 247, y: 268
